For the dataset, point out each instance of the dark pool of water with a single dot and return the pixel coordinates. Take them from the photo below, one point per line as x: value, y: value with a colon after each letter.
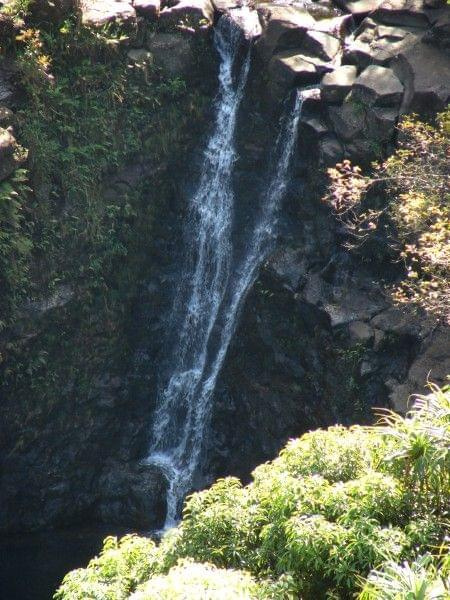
x: 33, y: 565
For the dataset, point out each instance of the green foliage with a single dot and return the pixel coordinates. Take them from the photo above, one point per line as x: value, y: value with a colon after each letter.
x: 335, y: 507
x: 194, y: 580
x: 420, y: 580
x: 115, y: 574
x: 15, y: 242
x: 403, y: 206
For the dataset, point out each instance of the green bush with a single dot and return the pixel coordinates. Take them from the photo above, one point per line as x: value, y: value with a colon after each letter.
x: 334, y: 507
x: 197, y: 580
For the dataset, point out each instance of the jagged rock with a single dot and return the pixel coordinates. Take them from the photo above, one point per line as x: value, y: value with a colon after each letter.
x: 189, y: 14
x: 222, y: 6
x: 8, y: 162
x: 378, y: 339
x: 407, y: 13
x: 379, y: 44
x: 343, y: 303
x: 97, y: 13
x: 320, y: 44
x: 380, y: 123
x: 378, y: 86
x: 360, y: 332
x: 399, y: 395
x: 425, y: 72
x: 330, y: 150
x: 290, y: 68
x: 339, y: 26
x: 284, y: 28
x: 147, y: 8
x: 439, y: 34
x: 337, y: 84
x: 402, y: 321
x: 314, y: 125
x: 359, y: 8
x: 171, y: 52
x: 434, y: 360
x: 348, y: 120
x: 289, y: 266
x: 247, y: 20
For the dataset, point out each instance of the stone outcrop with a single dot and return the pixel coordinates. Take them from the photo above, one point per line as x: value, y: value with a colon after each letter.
x: 378, y: 86
x: 425, y: 73
x: 337, y: 84
x: 97, y: 13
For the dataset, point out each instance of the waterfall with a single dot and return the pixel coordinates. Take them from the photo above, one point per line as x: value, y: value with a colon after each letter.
x: 212, y: 288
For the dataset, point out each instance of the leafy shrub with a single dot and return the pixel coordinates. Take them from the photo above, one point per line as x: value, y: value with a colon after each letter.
x: 335, y: 507
x: 338, y: 454
x: 417, y: 581
x: 196, y: 580
x: 120, y: 568
x: 403, y: 206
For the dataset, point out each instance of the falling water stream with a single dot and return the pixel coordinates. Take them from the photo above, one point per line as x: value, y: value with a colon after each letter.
x: 213, y: 287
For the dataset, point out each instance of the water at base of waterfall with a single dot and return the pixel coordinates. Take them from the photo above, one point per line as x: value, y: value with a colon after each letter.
x: 212, y: 288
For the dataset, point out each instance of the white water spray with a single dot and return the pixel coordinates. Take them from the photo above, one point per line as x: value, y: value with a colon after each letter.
x: 212, y: 288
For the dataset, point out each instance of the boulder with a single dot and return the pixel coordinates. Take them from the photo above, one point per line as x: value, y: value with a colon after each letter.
x: 402, y: 321
x: 247, y: 20
x: 344, y: 303
x: 8, y: 161
x: 337, y: 84
x: 147, y: 8
x: 379, y: 44
x: 97, y: 13
x: 320, y: 44
x: 172, y: 52
x: 359, y: 8
x: 380, y: 123
x: 433, y: 362
x: 188, y: 14
x: 289, y: 68
x: 439, y: 33
x: 378, y: 86
x: 339, y: 26
x: 360, y: 332
x: 330, y: 150
x: 425, y: 72
x: 348, y: 120
x: 289, y: 266
x: 284, y: 28
x: 406, y: 13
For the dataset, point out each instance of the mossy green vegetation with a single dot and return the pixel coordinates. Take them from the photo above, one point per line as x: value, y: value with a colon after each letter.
x: 103, y: 135
x: 341, y: 512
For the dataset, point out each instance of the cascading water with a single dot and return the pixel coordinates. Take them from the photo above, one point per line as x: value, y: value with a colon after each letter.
x: 212, y: 288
